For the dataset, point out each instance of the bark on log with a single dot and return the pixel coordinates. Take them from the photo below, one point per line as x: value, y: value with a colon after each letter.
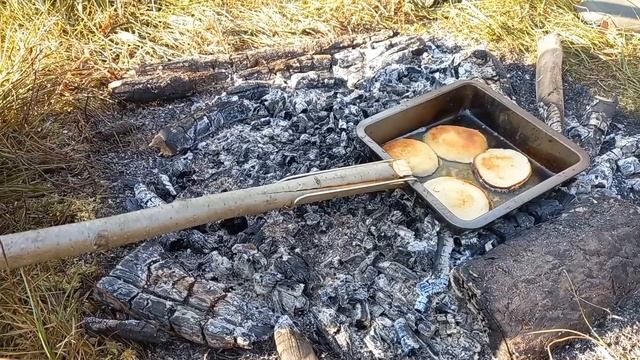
x: 549, y: 94
x: 595, y: 124
x: 290, y: 343
x: 525, y: 285
x: 181, y: 78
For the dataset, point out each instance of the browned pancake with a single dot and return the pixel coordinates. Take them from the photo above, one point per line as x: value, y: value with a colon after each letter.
x: 502, y: 168
x: 456, y: 143
x: 422, y: 160
x: 463, y: 199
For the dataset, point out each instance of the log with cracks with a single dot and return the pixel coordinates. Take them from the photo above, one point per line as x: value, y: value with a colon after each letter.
x: 160, y: 291
x: 181, y: 78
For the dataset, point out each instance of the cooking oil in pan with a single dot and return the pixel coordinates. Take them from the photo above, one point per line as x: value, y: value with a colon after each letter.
x: 465, y: 172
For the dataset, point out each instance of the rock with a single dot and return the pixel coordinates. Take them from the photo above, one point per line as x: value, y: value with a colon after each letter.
x: 527, y: 284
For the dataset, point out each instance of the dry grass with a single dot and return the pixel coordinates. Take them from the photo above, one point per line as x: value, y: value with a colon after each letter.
x: 609, y: 60
x: 58, y: 55
x: 568, y: 334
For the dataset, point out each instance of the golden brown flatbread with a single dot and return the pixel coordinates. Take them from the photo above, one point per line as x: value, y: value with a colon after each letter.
x: 422, y: 160
x: 463, y: 199
x: 456, y: 143
x: 502, y: 168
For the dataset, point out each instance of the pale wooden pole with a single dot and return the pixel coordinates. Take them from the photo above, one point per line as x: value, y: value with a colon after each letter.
x: 290, y: 343
x: 57, y: 242
x: 549, y: 93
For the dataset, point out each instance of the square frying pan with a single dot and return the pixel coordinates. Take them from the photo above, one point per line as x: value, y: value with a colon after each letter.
x: 555, y: 159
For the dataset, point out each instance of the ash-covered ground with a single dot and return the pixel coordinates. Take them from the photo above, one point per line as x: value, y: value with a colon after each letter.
x: 362, y: 277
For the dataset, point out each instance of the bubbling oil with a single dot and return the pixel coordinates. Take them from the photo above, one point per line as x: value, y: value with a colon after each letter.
x: 465, y: 171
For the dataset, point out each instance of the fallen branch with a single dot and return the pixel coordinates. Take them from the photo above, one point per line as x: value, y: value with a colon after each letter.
x: 184, y: 77
x: 549, y: 94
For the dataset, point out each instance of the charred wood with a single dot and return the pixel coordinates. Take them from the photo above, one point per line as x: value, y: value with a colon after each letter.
x: 134, y: 330
x: 180, y: 78
x: 193, y: 128
x: 167, y: 85
x: 440, y: 281
x: 156, y: 289
x: 597, y: 117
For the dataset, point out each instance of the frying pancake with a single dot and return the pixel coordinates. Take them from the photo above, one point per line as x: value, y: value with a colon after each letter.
x: 502, y: 168
x: 456, y: 143
x: 463, y: 199
x: 422, y: 160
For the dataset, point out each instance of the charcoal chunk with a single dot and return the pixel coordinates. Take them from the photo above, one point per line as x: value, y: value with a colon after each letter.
x: 235, y: 225
x: 544, y: 209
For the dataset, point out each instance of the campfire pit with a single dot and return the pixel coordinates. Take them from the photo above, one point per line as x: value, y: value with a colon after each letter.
x: 345, y: 271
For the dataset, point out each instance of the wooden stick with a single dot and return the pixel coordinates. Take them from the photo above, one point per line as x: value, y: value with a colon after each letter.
x: 290, y: 343
x: 549, y: 94
x: 56, y: 242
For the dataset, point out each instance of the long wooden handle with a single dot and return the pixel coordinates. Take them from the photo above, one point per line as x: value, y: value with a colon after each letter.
x: 56, y: 242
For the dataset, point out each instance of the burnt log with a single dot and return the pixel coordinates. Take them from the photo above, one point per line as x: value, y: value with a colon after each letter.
x: 546, y: 278
x: 134, y: 330
x: 192, y: 128
x: 549, y: 94
x: 597, y: 117
x: 184, y: 77
x: 167, y: 85
x: 162, y: 294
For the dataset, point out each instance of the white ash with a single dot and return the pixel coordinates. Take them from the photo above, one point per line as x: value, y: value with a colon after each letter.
x: 349, y: 272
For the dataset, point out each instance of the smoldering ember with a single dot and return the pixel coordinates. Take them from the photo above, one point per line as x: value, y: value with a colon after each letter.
x: 359, y: 277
